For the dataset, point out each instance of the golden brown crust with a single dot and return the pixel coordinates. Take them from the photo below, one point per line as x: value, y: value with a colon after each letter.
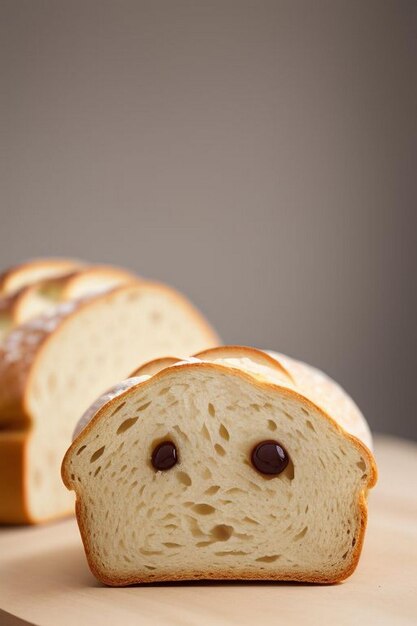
x: 13, y: 307
x: 155, y: 365
x: 13, y: 509
x: 230, y: 351
x: 12, y: 278
x: 282, y: 576
x: 67, y: 286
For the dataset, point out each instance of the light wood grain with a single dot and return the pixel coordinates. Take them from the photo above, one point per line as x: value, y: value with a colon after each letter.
x: 44, y: 578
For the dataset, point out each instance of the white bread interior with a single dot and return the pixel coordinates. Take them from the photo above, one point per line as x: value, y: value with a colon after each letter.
x: 213, y: 515
x: 53, y: 367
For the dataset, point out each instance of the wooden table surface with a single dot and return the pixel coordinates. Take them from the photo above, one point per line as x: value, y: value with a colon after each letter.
x: 45, y: 580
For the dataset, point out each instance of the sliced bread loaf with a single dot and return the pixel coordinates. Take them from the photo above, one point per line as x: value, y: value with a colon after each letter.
x: 231, y: 465
x: 54, y: 366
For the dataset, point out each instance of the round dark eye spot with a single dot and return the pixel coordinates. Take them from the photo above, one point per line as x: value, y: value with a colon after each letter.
x: 164, y: 456
x: 269, y: 457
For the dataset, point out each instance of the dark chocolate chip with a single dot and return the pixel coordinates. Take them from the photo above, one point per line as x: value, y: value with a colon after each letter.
x: 164, y: 456
x: 269, y: 457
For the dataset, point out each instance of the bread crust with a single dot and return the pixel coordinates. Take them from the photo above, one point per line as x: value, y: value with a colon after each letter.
x: 13, y: 307
x: 205, y: 575
x: 12, y: 471
x: 11, y: 277
x: 154, y: 365
x: 246, y: 351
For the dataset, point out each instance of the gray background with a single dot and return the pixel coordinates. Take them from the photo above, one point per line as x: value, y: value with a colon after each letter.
x: 260, y: 156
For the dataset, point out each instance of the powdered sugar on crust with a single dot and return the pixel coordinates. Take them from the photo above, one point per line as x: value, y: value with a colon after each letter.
x: 110, y: 394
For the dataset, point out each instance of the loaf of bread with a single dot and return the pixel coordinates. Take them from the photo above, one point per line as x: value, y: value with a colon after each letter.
x: 52, y: 368
x: 44, y: 295
x: 233, y: 464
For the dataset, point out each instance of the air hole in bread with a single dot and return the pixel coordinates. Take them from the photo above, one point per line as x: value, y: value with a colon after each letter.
x: 271, y: 425
x: 256, y: 407
x: 206, y: 473
x: 81, y: 449
x: 353, y: 541
x: 164, y: 391
x: 309, y: 425
x: 181, y: 432
x: 118, y: 408
x: 211, y: 409
x: 268, y: 559
x: 203, y: 509
x: 223, y: 432
x: 250, y: 520
x: 203, y: 544
x: 205, y: 433
x: 289, y: 471
x: 253, y: 485
x: 305, y: 411
x: 97, y: 454
x: 171, y: 527
x: 172, y: 544
x: 362, y: 465
x: 144, y: 406
x: 184, y: 478
x: 124, y: 426
x: 212, y: 490
x: 222, y: 532
x: 301, y: 534
x: 235, y: 490
x: 194, y: 527
x: 97, y: 470
x: 290, y: 417
x: 219, y: 449
x: 226, y: 501
x: 301, y: 435
x: 149, y: 552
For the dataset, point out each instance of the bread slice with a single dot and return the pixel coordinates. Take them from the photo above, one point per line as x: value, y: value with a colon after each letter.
x: 44, y: 295
x: 54, y: 366
x: 32, y: 271
x: 209, y: 510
